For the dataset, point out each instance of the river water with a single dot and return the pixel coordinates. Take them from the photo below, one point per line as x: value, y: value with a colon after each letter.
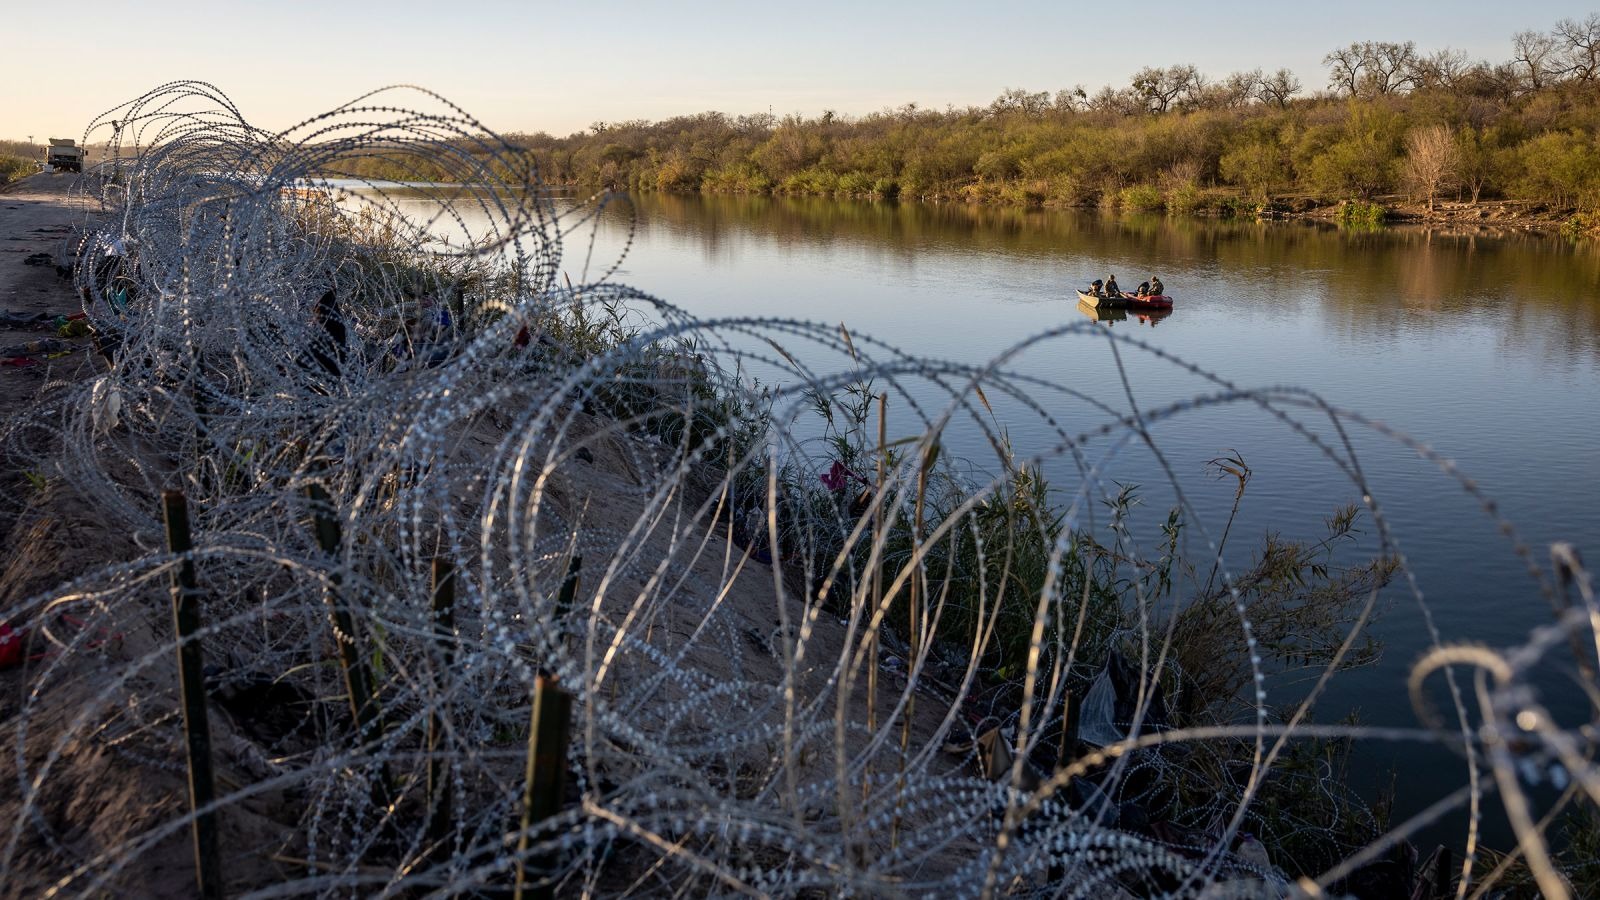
x: 1485, y: 346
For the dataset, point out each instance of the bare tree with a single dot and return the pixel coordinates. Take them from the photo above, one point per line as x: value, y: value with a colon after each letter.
x: 1536, y: 54
x: 1237, y: 90
x: 1391, y: 68
x: 1150, y: 85
x: 1017, y: 100
x: 1110, y: 100
x: 1431, y: 159
x: 1072, y: 99
x: 1195, y: 85
x: 1277, y: 88
x: 755, y: 124
x: 1442, y: 69
x: 1345, y: 66
x: 1493, y: 82
x: 1579, y: 47
x: 1372, y: 68
x: 1158, y: 88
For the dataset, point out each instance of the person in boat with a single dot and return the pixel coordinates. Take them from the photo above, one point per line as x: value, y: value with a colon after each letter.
x: 1111, y: 287
x: 1094, y: 287
x: 1143, y: 290
x: 1157, y: 289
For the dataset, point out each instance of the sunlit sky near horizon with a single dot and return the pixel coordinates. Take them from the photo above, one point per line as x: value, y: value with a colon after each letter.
x: 559, y: 67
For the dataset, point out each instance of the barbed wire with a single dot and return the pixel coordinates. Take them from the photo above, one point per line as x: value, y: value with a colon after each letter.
x: 803, y: 657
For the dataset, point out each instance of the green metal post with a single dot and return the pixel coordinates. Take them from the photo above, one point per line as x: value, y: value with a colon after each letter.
x: 357, y: 677
x: 191, y: 682
x: 444, y: 600
x: 545, y: 778
x: 569, y: 586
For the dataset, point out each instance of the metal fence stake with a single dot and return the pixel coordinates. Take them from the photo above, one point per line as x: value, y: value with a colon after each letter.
x: 545, y: 778
x: 191, y: 683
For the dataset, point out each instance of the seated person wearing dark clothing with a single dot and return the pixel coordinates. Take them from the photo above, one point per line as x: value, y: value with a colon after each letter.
x: 1143, y: 289
x: 1111, y: 287
x: 1094, y: 287
x: 1156, y: 287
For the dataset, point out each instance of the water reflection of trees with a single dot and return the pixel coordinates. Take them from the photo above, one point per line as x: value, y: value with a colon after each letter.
x: 1537, y: 287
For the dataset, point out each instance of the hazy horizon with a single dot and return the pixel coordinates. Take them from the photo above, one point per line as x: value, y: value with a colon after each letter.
x: 559, y: 68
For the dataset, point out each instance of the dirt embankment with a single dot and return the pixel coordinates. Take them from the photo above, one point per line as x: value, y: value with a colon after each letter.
x: 1486, y: 216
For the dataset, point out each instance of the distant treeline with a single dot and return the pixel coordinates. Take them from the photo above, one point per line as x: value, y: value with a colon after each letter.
x: 1392, y: 119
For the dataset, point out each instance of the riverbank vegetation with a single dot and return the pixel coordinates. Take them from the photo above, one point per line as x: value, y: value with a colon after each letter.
x: 13, y: 168
x: 16, y: 160
x: 1394, y: 122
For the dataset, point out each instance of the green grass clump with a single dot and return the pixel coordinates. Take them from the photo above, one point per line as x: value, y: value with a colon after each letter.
x: 1359, y: 215
x: 1580, y: 226
x: 1233, y: 206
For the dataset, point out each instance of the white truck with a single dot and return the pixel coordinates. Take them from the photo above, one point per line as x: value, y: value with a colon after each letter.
x: 64, y: 155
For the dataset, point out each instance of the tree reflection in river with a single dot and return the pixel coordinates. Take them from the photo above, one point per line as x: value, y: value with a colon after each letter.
x: 1369, y: 280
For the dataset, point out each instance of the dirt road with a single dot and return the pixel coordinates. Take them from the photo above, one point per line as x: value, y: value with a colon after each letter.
x: 36, y: 216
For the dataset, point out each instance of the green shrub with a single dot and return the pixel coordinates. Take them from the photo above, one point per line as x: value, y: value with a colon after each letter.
x: 1257, y: 167
x: 1558, y: 167
x: 1361, y: 215
x: 1066, y: 190
x: 1140, y: 198
x: 676, y: 174
x: 855, y: 184
x: 811, y: 181
x: 1580, y: 226
x: 737, y: 179
x: 1362, y: 163
x: 1186, y: 198
x: 14, y: 167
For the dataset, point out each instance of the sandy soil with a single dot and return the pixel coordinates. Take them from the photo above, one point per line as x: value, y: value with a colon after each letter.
x: 37, y: 216
x: 45, y: 536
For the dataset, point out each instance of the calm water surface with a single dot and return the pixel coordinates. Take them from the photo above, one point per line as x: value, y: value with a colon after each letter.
x: 1485, y: 347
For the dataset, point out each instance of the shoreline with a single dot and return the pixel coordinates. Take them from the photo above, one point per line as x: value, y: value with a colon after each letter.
x: 1491, y: 215
x: 1494, y: 215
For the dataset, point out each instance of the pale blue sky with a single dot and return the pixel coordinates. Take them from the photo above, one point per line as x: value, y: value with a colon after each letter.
x: 560, y: 66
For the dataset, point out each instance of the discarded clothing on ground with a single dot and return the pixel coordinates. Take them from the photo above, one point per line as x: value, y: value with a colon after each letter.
x: 47, y: 345
x: 13, y: 319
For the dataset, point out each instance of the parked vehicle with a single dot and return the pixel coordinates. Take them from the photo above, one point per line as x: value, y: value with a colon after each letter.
x: 64, y: 155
